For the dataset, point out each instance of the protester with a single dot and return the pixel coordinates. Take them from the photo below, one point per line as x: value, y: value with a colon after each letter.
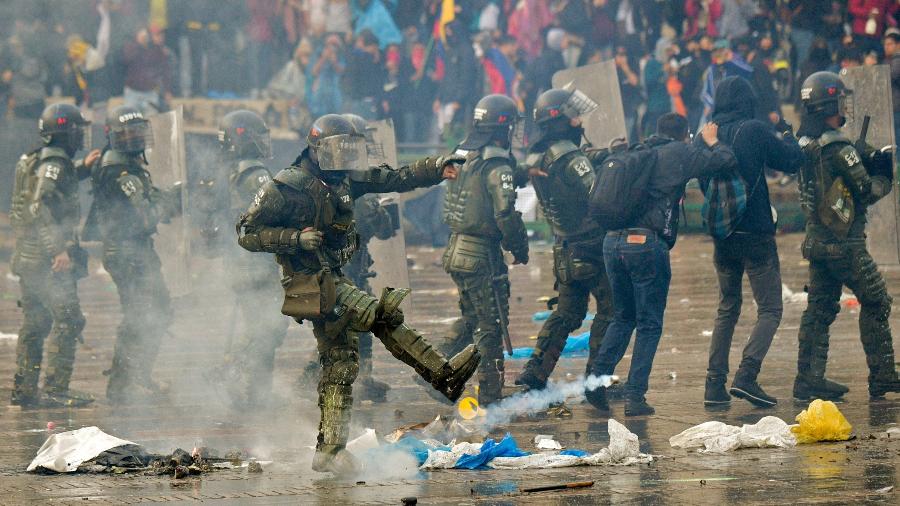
x: 148, y: 73
x: 637, y: 256
x: 751, y: 247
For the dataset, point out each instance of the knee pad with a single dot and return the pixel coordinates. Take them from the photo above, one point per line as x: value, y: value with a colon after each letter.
x: 340, y: 367
x: 389, y: 305
x: 360, y: 308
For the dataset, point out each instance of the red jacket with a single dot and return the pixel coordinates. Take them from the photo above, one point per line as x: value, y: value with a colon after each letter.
x: 860, y: 9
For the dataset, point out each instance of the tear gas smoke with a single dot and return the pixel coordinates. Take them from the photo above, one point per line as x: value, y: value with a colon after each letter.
x: 534, y: 401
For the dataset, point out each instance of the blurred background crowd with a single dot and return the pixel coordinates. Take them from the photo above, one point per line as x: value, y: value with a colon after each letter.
x: 424, y: 63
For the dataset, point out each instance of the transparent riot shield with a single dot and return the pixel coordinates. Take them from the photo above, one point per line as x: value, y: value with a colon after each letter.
x: 389, y: 255
x: 600, y: 82
x: 167, y: 166
x: 872, y: 97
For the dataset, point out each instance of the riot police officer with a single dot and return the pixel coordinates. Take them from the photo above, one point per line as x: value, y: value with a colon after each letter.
x: 245, y: 143
x: 480, y: 210
x: 305, y: 216
x: 562, y: 177
x: 838, y: 183
x: 45, y: 214
x: 125, y: 213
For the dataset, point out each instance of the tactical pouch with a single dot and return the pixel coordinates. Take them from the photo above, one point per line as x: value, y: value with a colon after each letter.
x: 836, y: 209
x: 576, y: 261
x: 466, y: 254
x: 308, y: 295
x: 813, y: 249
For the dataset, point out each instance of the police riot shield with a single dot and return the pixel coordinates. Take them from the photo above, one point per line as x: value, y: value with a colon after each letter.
x: 600, y: 82
x: 872, y: 97
x: 167, y: 166
x: 389, y: 255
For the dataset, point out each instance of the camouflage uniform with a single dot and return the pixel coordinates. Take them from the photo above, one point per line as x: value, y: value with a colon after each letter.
x: 372, y: 220
x: 250, y: 358
x: 45, y: 214
x: 577, y: 256
x: 298, y: 199
x: 480, y: 210
x: 838, y: 184
x: 126, y: 210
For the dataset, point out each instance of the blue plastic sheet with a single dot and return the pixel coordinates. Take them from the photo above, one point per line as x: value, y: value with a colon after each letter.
x: 490, y: 450
x: 416, y: 447
x: 543, y: 315
x: 576, y: 346
x: 575, y: 453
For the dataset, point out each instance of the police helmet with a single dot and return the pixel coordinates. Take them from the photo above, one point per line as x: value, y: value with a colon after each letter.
x: 244, y: 133
x: 494, y: 115
x: 358, y: 122
x: 824, y: 94
x: 65, y: 126
x: 127, y: 130
x: 561, y: 103
x: 336, y: 145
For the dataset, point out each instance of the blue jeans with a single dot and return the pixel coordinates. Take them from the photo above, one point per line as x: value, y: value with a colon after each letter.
x: 637, y: 263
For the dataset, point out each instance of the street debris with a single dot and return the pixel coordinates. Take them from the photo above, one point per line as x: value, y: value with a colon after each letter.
x: 91, y: 450
x: 562, y: 486
x: 821, y: 421
x: 717, y: 437
x: 546, y: 442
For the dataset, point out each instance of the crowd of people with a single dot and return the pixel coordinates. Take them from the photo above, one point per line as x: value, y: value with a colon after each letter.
x: 425, y: 62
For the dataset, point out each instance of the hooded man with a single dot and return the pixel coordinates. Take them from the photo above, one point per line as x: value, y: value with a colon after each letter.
x: 751, y: 247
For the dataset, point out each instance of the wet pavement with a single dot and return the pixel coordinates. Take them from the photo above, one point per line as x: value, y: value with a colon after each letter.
x: 850, y: 472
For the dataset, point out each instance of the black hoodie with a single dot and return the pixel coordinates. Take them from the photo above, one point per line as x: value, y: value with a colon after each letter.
x: 756, y: 148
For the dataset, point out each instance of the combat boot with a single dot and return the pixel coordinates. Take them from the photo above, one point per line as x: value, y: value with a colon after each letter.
x: 370, y: 389
x: 66, y: 399
x: 637, y: 406
x: 447, y: 376
x: 597, y: 399
x: 715, y: 393
x: 745, y: 386
x: 530, y: 380
x: 810, y: 382
x: 883, y: 376
x: 338, y: 461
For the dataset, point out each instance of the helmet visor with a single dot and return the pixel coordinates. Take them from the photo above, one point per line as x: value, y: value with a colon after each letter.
x: 845, y: 105
x: 263, y: 143
x: 131, y: 137
x: 86, y: 133
x: 578, y: 105
x: 342, y: 152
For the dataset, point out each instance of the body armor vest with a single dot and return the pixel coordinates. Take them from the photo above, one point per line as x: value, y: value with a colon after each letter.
x: 115, y: 215
x: 467, y: 206
x: 564, y: 204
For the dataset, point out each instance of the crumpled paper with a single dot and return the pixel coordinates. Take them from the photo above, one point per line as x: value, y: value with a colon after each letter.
x: 717, y: 437
x: 65, y: 451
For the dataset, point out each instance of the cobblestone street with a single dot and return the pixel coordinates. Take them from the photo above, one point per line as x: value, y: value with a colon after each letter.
x: 839, y: 473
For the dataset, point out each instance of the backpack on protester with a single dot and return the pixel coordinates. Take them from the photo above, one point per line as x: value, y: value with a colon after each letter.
x: 620, y: 193
x: 725, y: 200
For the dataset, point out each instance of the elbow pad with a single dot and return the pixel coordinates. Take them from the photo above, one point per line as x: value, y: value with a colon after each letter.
x: 281, y: 241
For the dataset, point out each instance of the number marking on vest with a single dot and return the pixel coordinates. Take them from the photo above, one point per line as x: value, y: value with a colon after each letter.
x: 128, y: 188
x: 851, y: 158
x: 582, y: 168
x: 52, y: 172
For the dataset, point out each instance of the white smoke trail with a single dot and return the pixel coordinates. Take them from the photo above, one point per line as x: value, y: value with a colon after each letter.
x: 534, y: 401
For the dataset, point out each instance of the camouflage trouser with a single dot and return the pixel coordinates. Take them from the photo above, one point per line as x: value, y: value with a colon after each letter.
x: 480, y: 324
x: 146, y: 314
x: 832, y: 266
x: 567, y: 317
x: 250, y: 359
x: 338, y: 346
x: 49, y: 301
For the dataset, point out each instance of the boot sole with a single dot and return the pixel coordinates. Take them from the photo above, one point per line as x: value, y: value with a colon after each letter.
x: 832, y: 398
x: 752, y: 399
x: 715, y: 403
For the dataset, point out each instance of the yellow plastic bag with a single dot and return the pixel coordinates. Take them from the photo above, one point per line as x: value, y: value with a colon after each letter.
x: 821, y: 421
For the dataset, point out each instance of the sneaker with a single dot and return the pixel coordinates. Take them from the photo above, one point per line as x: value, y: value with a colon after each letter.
x: 751, y: 392
x: 638, y: 407
x: 597, y: 399
x: 715, y: 394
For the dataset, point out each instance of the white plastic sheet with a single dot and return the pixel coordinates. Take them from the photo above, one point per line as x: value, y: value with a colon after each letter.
x: 623, y: 450
x: 65, y: 451
x: 717, y: 437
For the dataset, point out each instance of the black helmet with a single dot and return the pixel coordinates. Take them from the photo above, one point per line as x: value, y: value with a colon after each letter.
x: 824, y: 94
x: 245, y: 134
x: 560, y: 103
x: 358, y: 122
x: 64, y: 125
x: 494, y: 116
x: 127, y: 130
x: 335, y: 144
